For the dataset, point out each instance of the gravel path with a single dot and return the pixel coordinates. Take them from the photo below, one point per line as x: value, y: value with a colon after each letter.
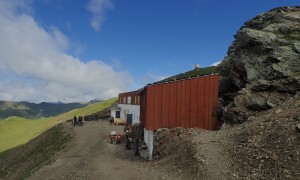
x: 89, y: 155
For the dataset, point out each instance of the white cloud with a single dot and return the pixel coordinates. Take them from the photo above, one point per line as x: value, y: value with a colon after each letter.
x: 34, y: 66
x: 98, y: 9
x: 216, y: 63
x: 79, y: 48
x: 14, y: 6
x: 61, y: 40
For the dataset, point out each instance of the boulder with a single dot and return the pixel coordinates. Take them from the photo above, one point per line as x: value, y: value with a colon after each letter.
x: 262, y: 66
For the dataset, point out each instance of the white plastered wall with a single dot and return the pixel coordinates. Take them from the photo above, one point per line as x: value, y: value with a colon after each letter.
x: 130, y: 109
x: 113, y: 113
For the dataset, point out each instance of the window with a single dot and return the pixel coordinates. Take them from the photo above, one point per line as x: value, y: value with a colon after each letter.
x: 124, y: 100
x: 129, y: 100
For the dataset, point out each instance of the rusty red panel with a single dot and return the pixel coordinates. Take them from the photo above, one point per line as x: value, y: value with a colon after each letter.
x: 201, y: 102
x: 211, y: 101
x: 178, y: 103
x: 194, y: 117
x: 157, y: 106
x: 172, y: 105
x: 187, y: 103
x: 207, y: 102
x: 165, y: 105
x: 183, y: 104
x: 150, y: 108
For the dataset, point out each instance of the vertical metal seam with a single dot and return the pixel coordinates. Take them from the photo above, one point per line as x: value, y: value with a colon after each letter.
x: 154, y: 119
x: 161, y: 108
x: 190, y: 103
x: 197, y: 114
x: 168, y: 107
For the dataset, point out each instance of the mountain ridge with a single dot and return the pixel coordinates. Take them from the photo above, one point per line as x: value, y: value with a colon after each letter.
x: 30, y: 110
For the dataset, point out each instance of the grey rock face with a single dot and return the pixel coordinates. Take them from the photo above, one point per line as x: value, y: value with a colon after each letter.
x: 263, y: 63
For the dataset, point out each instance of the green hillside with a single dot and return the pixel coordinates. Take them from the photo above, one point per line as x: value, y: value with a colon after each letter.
x: 15, y: 131
x: 34, y: 111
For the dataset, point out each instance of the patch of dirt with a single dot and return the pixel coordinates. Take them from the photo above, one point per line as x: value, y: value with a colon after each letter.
x: 175, y: 152
x: 267, y: 146
x: 89, y: 155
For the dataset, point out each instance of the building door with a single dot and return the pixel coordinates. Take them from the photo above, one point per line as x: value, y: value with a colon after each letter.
x: 129, y: 119
x: 118, y: 114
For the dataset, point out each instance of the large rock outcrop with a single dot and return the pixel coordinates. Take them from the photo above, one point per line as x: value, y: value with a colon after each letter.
x: 262, y: 66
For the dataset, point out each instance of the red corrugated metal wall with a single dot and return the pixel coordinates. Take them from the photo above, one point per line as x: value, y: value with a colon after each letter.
x: 187, y: 103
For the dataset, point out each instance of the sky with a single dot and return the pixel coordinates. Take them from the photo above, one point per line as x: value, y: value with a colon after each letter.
x: 79, y: 50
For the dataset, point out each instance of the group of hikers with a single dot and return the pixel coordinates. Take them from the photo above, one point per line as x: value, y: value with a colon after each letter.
x: 78, y: 120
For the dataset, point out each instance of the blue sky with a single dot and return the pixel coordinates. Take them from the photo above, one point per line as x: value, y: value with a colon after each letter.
x: 77, y: 50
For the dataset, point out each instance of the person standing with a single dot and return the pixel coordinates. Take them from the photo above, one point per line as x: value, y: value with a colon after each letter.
x: 111, y: 120
x: 74, y: 121
x: 80, y: 120
x: 137, y: 145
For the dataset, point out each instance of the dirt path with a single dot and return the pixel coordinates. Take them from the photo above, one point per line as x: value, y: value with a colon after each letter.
x: 90, y: 156
x: 214, y: 163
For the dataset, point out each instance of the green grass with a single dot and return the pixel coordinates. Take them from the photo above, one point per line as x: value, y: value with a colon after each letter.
x: 20, y: 162
x: 13, y: 105
x: 190, y: 74
x: 15, y: 131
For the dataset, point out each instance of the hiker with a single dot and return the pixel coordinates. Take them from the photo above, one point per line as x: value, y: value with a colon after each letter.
x: 80, y: 120
x: 111, y: 120
x: 137, y: 145
x: 74, y: 121
x: 127, y: 146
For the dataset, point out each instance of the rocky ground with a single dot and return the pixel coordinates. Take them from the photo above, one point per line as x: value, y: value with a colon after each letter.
x: 267, y: 146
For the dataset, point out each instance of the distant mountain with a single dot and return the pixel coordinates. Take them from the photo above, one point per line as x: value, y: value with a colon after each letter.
x: 32, y: 110
x: 95, y: 101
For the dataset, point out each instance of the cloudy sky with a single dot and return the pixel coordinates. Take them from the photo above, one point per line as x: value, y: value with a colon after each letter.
x: 78, y: 50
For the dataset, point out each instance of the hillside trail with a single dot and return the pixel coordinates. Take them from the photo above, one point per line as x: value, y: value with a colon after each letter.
x: 89, y: 155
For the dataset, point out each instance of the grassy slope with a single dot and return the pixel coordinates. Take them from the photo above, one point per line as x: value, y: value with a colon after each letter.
x: 15, y: 131
x: 20, y: 162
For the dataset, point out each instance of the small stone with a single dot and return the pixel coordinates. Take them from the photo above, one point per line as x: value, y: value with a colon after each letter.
x: 278, y: 111
x: 298, y: 126
x: 274, y: 157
